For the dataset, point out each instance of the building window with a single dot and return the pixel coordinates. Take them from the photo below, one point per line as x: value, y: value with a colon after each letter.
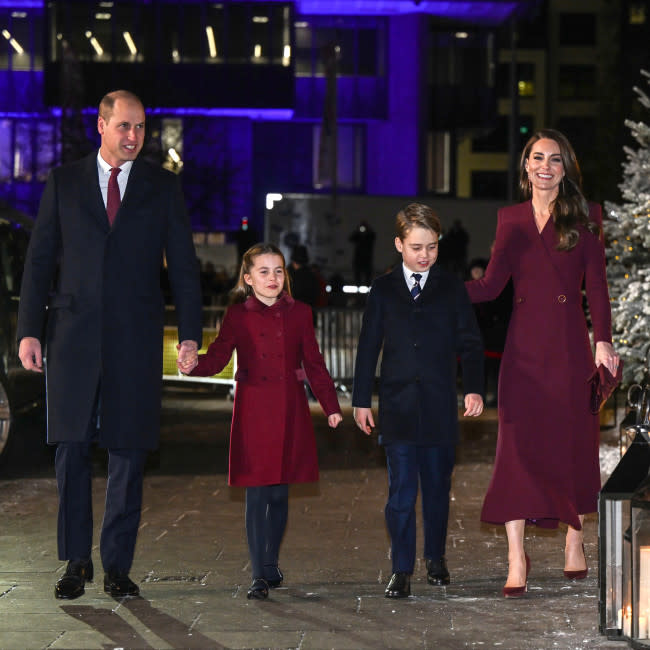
x: 190, y: 32
x: 577, y: 81
x: 29, y: 148
x: 496, y: 140
x: 580, y: 132
x: 637, y: 13
x: 439, y: 162
x: 349, y: 158
x: 489, y: 184
x: 526, y: 80
x: 21, y: 41
x: 359, y: 42
x: 577, y: 29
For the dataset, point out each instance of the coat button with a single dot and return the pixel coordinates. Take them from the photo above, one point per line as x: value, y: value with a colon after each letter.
x: 416, y: 344
x: 561, y: 298
x: 520, y: 300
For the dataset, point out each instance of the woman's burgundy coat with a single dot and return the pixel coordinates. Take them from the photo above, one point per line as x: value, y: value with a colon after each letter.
x: 272, y: 436
x: 546, y: 468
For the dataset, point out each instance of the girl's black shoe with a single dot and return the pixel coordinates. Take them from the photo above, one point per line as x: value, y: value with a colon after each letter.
x: 277, y: 580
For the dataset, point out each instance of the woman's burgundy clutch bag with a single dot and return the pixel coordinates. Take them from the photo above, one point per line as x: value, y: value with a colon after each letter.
x: 603, y: 384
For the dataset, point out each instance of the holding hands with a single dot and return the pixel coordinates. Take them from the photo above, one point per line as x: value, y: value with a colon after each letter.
x: 188, y: 356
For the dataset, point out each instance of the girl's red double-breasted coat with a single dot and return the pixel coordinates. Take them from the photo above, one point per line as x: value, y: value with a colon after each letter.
x: 272, y: 436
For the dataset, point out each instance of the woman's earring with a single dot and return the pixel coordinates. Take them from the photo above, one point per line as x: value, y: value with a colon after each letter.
x: 563, y: 190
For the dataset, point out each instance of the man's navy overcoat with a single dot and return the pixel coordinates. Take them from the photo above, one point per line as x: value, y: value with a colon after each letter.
x: 92, y: 294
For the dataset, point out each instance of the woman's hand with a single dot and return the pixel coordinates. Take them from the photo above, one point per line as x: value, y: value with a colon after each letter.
x: 334, y: 420
x: 606, y: 356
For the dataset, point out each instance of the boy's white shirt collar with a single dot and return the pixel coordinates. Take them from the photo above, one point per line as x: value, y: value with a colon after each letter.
x: 411, y: 281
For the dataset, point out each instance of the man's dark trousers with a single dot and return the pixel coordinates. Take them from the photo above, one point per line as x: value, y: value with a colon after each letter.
x: 123, y: 503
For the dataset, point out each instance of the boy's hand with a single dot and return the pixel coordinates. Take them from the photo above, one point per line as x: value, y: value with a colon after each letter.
x: 363, y: 418
x: 334, y: 420
x: 473, y: 404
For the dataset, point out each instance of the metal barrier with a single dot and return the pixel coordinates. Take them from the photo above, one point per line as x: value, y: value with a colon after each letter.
x: 337, y: 332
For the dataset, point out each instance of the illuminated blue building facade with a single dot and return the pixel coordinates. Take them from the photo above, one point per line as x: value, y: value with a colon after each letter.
x: 237, y: 93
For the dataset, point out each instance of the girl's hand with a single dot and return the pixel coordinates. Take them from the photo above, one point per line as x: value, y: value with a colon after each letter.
x: 334, y: 420
x: 605, y: 356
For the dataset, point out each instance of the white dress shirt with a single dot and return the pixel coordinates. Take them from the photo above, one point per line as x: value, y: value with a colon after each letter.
x: 104, y: 171
x: 410, y: 282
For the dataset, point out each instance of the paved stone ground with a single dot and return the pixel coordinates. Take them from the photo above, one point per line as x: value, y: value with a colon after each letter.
x: 192, y: 565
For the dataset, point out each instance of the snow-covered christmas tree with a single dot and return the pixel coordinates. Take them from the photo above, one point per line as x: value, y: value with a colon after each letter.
x: 627, y: 233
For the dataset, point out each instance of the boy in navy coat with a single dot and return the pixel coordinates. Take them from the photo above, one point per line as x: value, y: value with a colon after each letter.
x: 423, y: 318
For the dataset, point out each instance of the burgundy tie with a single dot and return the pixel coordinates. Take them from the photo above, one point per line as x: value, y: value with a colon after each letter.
x: 113, y: 195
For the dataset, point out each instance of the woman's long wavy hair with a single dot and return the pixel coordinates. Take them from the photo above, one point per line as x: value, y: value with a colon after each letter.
x: 241, y: 290
x: 570, y: 208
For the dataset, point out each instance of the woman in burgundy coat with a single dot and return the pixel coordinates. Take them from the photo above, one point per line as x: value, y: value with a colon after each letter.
x: 272, y: 439
x: 546, y: 467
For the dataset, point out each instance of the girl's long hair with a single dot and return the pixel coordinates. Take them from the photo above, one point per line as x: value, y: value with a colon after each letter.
x: 241, y: 290
x: 570, y: 208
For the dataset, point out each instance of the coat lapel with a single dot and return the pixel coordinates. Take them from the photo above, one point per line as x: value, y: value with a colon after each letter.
x: 399, y: 284
x: 92, y: 199
x: 138, y: 186
x: 430, y: 285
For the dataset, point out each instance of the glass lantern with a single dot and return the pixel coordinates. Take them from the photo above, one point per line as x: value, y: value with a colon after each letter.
x: 640, y: 610
x: 618, y: 614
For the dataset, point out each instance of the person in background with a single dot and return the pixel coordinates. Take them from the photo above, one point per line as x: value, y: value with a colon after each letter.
x: 363, y: 239
x: 93, y: 269
x: 272, y: 439
x: 421, y: 316
x: 304, y: 282
x: 546, y: 467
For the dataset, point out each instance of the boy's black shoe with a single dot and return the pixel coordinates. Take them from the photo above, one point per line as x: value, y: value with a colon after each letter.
x: 437, y: 573
x: 119, y: 585
x: 399, y: 586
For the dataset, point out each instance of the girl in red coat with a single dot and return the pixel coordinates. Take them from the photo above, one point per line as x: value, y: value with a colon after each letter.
x: 272, y: 439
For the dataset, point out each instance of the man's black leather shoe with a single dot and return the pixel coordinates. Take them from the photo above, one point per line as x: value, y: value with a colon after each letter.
x: 71, y: 584
x: 399, y: 586
x: 120, y: 585
x: 437, y: 573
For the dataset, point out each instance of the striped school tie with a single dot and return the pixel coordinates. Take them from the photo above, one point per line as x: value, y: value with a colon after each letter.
x: 416, y: 289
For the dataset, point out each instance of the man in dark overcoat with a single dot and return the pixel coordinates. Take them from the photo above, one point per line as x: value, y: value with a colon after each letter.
x: 91, y: 316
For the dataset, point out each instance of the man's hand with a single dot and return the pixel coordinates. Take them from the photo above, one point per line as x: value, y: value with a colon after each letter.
x: 364, y: 420
x: 473, y: 404
x: 188, y: 356
x: 30, y: 354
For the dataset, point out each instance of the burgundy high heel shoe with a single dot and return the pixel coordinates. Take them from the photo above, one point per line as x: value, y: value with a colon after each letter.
x: 518, y: 592
x: 577, y: 575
